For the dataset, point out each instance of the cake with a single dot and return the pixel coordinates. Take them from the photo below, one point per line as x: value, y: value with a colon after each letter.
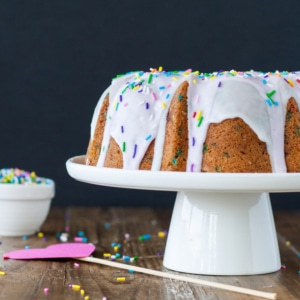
x: 188, y: 121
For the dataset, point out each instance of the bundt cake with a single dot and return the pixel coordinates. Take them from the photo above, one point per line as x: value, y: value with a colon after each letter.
x: 188, y: 121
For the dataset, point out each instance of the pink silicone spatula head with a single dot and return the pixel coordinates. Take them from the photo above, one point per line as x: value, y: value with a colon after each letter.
x: 65, y: 250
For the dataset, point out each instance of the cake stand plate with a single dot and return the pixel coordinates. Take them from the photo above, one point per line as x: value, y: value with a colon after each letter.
x: 222, y: 223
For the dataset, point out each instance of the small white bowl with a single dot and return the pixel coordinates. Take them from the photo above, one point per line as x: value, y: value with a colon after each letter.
x: 24, y: 207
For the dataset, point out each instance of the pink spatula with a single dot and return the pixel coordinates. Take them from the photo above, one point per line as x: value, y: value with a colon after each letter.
x: 66, y: 250
x: 83, y: 251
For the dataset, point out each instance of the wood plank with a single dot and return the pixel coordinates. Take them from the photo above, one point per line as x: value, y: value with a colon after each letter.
x: 103, y: 226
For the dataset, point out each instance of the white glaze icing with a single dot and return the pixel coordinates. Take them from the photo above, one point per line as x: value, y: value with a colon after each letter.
x: 139, y: 103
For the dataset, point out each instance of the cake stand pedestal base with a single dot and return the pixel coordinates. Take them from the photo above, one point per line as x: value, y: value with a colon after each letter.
x: 222, y: 234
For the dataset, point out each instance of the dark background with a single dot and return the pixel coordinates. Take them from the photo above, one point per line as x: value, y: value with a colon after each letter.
x: 56, y: 58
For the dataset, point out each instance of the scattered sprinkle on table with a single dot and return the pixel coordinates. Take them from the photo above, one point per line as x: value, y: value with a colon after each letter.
x: 121, y: 279
x: 40, y: 234
x: 75, y: 287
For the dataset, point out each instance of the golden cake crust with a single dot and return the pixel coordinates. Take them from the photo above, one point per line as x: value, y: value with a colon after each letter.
x: 146, y: 162
x: 95, y: 143
x: 292, y: 137
x: 114, y: 157
x: 232, y: 146
x: 175, y: 150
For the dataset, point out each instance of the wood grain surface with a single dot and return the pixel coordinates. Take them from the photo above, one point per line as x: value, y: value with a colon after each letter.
x: 104, y: 226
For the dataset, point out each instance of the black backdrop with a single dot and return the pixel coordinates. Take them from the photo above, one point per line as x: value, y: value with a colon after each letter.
x: 58, y: 56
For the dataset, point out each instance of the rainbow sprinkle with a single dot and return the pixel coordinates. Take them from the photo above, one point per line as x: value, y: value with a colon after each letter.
x: 193, y: 141
x: 270, y: 100
x: 134, y: 151
x: 150, y: 78
x: 19, y: 176
x: 124, y: 147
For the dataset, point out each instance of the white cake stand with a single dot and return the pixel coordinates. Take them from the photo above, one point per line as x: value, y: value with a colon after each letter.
x: 222, y: 223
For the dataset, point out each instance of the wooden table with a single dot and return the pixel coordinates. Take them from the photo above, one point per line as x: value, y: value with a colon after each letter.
x: 27, y: 279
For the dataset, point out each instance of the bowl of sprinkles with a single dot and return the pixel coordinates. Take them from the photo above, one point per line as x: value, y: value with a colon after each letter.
x: 25, y: 200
